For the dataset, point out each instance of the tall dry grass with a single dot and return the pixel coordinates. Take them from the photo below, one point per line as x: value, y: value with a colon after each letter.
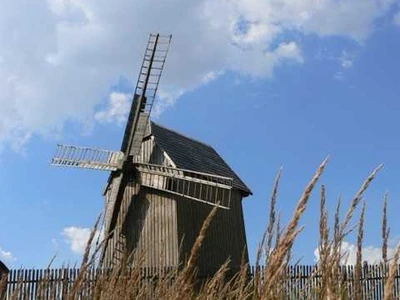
x: 274, y: 254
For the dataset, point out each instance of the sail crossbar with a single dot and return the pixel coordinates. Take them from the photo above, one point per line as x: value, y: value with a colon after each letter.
x: 86, y: 157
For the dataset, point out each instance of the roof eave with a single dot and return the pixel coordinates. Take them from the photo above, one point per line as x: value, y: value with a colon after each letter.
x: 245, y: 193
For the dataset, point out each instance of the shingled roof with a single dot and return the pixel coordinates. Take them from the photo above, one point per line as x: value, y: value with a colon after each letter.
x: 190, y: 154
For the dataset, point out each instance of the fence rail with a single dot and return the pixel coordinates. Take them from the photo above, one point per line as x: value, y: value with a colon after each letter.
x: 301, y: 282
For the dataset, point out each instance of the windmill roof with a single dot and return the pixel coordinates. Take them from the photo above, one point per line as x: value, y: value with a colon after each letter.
x: 188, y: 153
x: 3, y: 268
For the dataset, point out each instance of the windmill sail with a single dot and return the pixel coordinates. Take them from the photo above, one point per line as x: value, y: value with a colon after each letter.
x: 144, y: 96
x: 145, y: 92
x: 89, y: 158
x: 207, y: 188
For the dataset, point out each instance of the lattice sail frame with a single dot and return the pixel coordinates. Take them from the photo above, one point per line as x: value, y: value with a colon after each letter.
x: 145, y: 92
x: 86, y: 157
x: 203, y: 187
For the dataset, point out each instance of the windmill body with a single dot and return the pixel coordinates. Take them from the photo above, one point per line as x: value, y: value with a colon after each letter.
x: 162, y: 186
x: 161, y: 226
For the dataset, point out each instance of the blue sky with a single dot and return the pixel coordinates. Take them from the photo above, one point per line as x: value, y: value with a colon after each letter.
x: 268, y: 85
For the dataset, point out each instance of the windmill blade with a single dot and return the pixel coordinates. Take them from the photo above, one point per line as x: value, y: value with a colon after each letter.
x: 145, y: 92
x: 88, y: 158
x: 144, y: 96
x: 207, y: 188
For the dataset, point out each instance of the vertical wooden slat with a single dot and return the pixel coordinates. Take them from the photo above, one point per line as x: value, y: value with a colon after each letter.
x: 8, y: 285
x: 23, y: 275
x: 365, y: 281
x: 381, y: 281
x: 372, y: 280
x: 56, y: 283
x: 376, y: 282
x: 51, y: 283
x: 23, y: 284
x: 13, y: 282
x: 30, y: 284
x: 19, y: 285
x: 368, y: 274
x: 38, y: 273
x: 29, y: 280
x: 14, y: 279
x: 35, y: 285
x: 38, y: 287
x: 372, y: 292
x: 397, y: 283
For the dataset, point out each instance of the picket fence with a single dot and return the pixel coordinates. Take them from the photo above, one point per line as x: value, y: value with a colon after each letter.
x: 301, y: 282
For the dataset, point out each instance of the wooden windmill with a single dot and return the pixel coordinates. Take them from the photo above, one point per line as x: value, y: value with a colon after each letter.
x: 162, y: 186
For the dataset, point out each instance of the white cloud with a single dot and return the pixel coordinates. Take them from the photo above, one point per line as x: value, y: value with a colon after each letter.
x: 60, y: 68
x: 347, y: 63
x: 289, y: 50
x: 167, y: 99
x: 339, y: 76
x: 77, y: 237
x: 117, y: 110
x: 346, y: 60
x: 6, y: 256
x: 396, y: 19
x: 54, y: 242
x: 370, y: 254
x: 353, y: 19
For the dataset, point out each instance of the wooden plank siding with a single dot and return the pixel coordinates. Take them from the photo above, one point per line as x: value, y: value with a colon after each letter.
x: 152, y: 229
x: 225, y: 238
x: 140, y: 214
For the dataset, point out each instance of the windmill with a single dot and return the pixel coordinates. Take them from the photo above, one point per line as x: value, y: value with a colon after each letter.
x: 162, y: 186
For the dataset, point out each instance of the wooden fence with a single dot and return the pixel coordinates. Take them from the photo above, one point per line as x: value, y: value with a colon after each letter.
x: 301, y: 282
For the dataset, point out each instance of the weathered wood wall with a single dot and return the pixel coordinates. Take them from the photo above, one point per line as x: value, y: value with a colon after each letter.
x: 142, y: 216
x: 152, y: 228
x: 225, y: 238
